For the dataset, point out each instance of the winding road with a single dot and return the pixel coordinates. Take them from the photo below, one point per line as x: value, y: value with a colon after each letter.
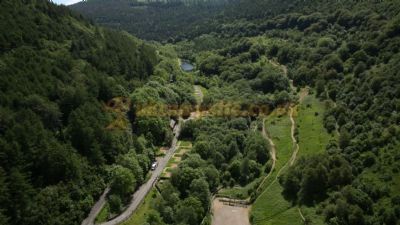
x: 96, y: 208
x: 140, y: 194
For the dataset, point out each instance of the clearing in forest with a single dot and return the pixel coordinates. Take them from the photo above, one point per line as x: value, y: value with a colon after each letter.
x: 312, y: 136
x: 271, y: 207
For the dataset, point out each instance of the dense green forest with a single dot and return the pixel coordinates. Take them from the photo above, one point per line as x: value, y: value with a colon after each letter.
x: 155, y: 20
x: 61, y: 140
x: 347, y: 51
x: 180, y: 19
x: 71, y: 95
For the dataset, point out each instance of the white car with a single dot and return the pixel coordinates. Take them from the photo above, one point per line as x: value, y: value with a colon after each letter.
x: 154, y: 165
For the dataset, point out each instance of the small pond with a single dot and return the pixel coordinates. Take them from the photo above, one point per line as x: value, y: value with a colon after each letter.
x: 186, y: 66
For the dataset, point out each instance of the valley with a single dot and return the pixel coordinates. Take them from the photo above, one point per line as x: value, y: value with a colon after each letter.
x: 187, y: 112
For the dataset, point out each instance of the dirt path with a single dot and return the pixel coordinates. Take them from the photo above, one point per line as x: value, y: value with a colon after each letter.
x: 272, y: 153
x: 292, y: 130
x: 236, y: 215
x: 301, y: 215
x: 293, y: 126
x: 303, y: 93
x: 294, y: 141
x: 198, y: 93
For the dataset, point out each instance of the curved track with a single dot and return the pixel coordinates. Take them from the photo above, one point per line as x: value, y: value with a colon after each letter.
x: 139, y: 195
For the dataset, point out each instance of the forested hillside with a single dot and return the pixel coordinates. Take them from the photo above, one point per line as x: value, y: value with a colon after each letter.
x: 155, y: 20
x: 186, y: 19
x: 293, y: 108
x: 348, y: 53
x: 57, y: 133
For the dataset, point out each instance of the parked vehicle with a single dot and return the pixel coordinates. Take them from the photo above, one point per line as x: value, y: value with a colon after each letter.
x: 154, y: 165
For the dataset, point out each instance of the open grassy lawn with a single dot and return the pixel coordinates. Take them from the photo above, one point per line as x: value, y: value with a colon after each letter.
x: 103, y: 215
x: 272, y: 209
x: 204, y: 90
x: 313, y: 137
x: 278, y: 128
x: 139, y: 217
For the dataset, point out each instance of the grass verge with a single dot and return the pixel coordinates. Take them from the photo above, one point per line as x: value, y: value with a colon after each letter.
x: 139, y: 216
x: 103, y: 215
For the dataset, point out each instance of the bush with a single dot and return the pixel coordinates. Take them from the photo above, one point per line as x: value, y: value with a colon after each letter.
x: 115, y: 203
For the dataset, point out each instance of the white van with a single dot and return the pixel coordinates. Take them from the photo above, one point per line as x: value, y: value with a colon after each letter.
x: 154, y: 165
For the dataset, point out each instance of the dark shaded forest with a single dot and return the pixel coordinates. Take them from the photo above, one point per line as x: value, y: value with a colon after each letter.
x: 153, y: 20
x: 57, y: 72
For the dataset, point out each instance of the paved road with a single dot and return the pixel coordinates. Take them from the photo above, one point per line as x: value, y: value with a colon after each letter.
x: 140, y: 194
x: 96, y: 208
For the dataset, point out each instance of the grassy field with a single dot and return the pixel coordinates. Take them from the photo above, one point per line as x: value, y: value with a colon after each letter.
x: 278, y: 126
x: 313, y: 137
x: 139, y: 217
x: 185, y: 144
x: 270, y: 208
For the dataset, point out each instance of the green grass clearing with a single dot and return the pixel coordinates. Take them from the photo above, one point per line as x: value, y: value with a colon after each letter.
x: 313, y: 137
x: 139, y: 217
x: 185, y: 144
x: 204, y: 90
x: 279, y: 129
x: 104, y: 213
x: 272, y: 209
x: 197, y: 96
